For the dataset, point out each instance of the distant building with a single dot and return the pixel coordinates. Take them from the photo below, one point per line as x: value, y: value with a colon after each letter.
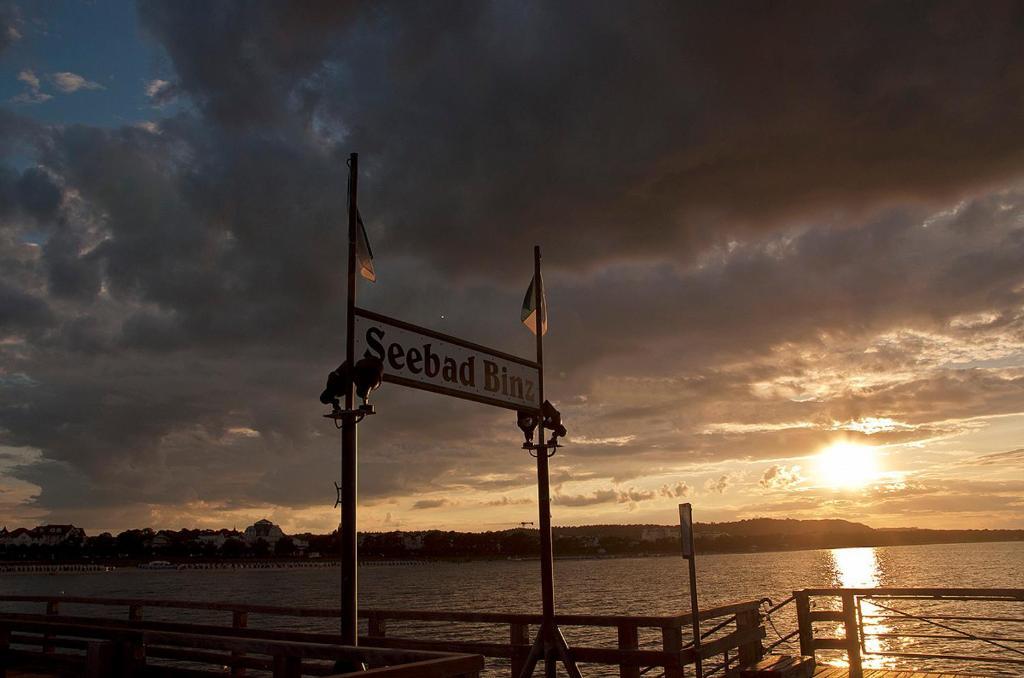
x: 56, y: 534
x: 44, y: 535
x: 160, y: 541
x: 265, y: 530
x: 20, y: 536
x: 412, y: 542
x: 658, y: 533
x: 216, y: 537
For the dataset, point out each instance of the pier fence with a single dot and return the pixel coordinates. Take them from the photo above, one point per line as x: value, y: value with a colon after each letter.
x: 635, y: 645
x: 883, y: 627
x: 111, y: 652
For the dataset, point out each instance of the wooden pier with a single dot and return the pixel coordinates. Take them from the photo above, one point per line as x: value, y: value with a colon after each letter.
x: 824, y: 672
x: 53, y: 635
x: 843, y: 672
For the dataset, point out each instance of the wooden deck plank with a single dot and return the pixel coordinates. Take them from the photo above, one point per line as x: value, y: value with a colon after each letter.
x: 826, y: 671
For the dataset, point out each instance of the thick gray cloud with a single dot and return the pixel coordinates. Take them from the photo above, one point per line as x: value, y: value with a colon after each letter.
x: 19, y: 311
x: 501, y: 124
x: 742, y: 206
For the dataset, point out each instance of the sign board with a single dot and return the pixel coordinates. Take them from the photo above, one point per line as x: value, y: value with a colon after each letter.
x: 428, y: 360
x: 686, y: 529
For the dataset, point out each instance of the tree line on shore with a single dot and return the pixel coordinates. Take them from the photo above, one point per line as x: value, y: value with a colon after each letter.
x: 582, y: 541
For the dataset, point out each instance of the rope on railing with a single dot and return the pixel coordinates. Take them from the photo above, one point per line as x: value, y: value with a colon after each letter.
x: 944, y: 626
x: 717, y: 627
x: 703, y: 635
x: 729, y: 620
x: 784, y: 603
x: 784, y: 639
x: 768, y: 616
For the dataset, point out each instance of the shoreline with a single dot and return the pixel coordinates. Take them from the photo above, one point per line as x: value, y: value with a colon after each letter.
x: 93, y: 567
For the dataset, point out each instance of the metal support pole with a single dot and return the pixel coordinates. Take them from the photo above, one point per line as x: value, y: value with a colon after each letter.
x: 549, y: 645
x: 546, y: 557
x: 852, y: 634
x: 547, y: 569
x: 690, y: 554
x: 347, y: 541
x: 695, y: 613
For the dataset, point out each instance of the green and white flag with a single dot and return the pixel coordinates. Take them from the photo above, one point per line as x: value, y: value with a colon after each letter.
x: 529, y: 313
x: 364, y: 255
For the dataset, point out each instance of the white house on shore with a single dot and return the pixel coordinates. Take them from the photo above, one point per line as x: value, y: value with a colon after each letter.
x: 265, y: 530
x: 44, y: 535
x: 217, y: 537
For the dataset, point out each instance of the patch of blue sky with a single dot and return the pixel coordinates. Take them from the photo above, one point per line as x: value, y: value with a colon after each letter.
x: 99, y: 41
x: 34, y: 237
x: 20, y: 160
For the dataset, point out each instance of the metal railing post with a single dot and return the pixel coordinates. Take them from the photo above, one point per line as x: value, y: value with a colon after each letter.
x: 519, y: 640
x: 239, y: 620
x: 672, y: 641
x: 752, y: 651
x: 131, y: 656
x: 803, y: 617
x: 852, y: 634
x: 5, y: 646
x: 99, y: 659
x: 52, y: 608
x: 629, y: 639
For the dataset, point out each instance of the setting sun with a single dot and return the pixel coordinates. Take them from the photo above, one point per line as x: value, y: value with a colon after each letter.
x: 847, y: 465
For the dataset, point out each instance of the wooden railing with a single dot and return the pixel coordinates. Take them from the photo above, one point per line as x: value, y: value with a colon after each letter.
x: 111, y: 651
x: 858, y: 611
x: 642, y: 643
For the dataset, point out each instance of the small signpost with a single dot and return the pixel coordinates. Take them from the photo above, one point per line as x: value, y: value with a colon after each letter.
x: 686, y: 540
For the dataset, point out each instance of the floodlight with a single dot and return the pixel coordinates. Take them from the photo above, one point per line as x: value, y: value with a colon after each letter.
x: 552, y: 420
x: 367, y: 375
x: 527, y: 422
x: 337, y: 382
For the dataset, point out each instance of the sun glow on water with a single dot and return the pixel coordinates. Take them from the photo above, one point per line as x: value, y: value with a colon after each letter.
x: 860, y: 568
x: 856, y: 567
x: 846, y: 465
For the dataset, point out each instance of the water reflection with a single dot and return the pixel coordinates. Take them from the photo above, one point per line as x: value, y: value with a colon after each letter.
x: 856, y: 568
x: 859, y: 568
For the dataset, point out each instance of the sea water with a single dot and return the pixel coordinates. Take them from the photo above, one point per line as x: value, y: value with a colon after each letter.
x: 618, y: 586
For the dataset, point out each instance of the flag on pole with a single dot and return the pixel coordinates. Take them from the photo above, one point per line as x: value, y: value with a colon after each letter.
x: 364, y: 255
x: 529, y: 313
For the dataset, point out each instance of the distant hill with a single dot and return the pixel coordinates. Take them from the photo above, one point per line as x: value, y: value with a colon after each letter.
x: 754, y: 527
x: 766, y: 534
x: 785, y: 526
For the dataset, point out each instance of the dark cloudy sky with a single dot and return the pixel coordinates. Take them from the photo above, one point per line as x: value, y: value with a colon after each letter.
x: 784, y: 252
